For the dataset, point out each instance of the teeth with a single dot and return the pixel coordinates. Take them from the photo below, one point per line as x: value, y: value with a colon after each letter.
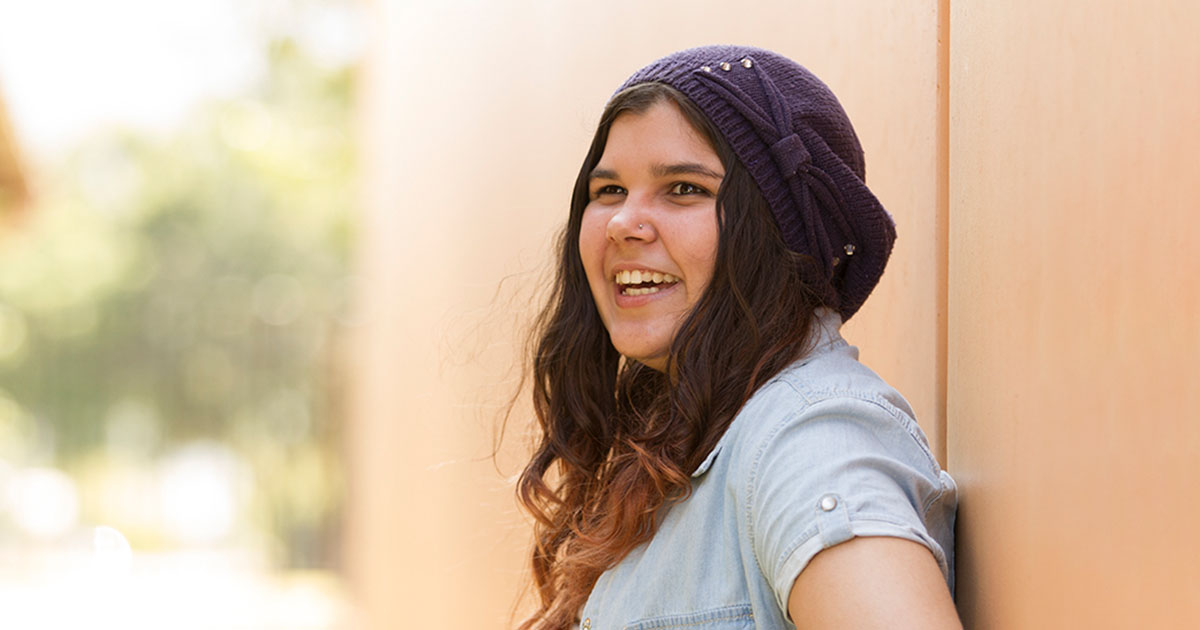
x: 636, y: 291
x: 639, y: 276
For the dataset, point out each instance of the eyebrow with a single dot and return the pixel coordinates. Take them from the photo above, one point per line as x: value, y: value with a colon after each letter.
x: 663, y: 170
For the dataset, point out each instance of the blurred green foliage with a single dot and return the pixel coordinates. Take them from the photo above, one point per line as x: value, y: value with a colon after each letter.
x: 192, y: 287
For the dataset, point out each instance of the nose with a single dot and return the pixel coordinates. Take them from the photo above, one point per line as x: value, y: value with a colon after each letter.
x: 631, y: 222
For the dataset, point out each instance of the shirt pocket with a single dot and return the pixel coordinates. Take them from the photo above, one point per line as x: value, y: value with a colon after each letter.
x: 724, y: 618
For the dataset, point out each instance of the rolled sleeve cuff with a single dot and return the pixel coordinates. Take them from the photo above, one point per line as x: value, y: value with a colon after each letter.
x: 835, y: 526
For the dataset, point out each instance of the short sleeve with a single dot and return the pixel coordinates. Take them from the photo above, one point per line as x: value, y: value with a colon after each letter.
x: 843, y: 467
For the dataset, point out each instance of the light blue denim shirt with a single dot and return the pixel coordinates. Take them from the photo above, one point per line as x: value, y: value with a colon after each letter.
x: 822, y: 453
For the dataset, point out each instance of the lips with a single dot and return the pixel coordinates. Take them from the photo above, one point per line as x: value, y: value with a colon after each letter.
x: 637, y: 282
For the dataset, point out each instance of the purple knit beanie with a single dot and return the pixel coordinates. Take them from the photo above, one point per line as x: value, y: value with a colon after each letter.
x: 794, y: 138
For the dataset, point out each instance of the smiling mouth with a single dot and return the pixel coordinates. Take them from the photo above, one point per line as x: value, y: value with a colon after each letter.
x: 639, y: 282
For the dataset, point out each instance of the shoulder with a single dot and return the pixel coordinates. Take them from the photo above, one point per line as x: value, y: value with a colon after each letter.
x: 830, y: 405
x: 828, y: 451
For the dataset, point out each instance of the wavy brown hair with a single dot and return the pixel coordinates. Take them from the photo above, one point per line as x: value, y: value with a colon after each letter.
x: 619, y: 440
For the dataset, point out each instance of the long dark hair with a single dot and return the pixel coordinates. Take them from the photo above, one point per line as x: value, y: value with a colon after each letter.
x: 618, y: 439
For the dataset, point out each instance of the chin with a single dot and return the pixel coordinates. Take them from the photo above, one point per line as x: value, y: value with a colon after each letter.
x: 643, y: 342
x: 655, y: 361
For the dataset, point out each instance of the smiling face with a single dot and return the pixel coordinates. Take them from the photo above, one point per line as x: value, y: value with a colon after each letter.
x: 648, y: 239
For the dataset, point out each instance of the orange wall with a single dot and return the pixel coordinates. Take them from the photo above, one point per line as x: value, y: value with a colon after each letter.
x: 476, y: 117
x: 1074, y: 302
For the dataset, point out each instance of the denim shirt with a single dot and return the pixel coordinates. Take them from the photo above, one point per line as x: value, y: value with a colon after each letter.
x: 822, y: 453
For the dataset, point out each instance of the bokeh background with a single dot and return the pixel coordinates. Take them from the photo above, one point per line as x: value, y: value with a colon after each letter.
x: 175, y: 274
x: 265, y: 269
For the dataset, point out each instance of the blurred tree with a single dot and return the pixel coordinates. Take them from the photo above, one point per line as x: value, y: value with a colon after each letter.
x: 190, y: 287
x: 13, y: 190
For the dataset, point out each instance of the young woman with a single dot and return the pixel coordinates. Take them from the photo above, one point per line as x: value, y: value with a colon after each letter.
x: 712, y: 455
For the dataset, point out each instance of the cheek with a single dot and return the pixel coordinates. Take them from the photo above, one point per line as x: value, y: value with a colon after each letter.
x: 699, y: 255
x: 592, y: 239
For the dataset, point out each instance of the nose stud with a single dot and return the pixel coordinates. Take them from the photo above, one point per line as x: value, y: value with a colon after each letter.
x: 640, y: 226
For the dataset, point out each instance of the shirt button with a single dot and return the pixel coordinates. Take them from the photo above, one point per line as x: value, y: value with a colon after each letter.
x: 587, y: 624
x: 828, y: 502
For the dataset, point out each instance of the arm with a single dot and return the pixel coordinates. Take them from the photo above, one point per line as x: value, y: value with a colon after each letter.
x: 874, y: 582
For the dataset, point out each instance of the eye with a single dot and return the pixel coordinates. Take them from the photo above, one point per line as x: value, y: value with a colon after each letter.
x: 684, y: 189
x: 606, y: 190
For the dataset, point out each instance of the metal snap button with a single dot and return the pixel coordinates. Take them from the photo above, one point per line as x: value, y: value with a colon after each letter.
x: 828, y: 502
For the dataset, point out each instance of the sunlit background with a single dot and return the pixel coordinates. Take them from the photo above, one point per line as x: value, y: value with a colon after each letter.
x: 176, y: 226
x: 234, y: 397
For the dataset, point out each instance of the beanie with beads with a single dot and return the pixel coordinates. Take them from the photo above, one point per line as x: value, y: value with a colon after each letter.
x: 791, y: 134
